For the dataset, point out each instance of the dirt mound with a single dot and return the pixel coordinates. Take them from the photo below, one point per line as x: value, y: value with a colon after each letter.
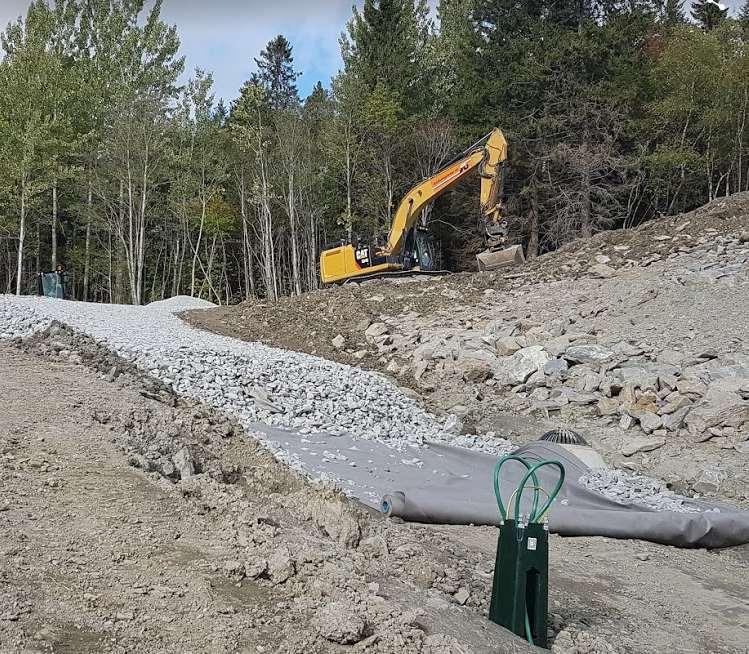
x: 181, y: 303
x: 310, y: 322
x: 150, y: 508
x: 103, y: 543
x: 129, y: 508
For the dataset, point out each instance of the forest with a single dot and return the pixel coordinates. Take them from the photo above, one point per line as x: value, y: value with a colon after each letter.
x: 143, y: 187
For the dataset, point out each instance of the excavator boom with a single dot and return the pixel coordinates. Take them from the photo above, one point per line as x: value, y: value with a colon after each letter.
x: 354, y: 260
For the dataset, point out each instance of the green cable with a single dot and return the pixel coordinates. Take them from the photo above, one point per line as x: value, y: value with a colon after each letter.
x: 497, y: 490
x: 528, y: 634
x: 535, y: 515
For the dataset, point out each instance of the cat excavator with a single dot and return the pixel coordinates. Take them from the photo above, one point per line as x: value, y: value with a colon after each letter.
x: 409, y: 248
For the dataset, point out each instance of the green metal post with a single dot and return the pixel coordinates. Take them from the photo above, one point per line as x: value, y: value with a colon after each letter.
x: 521, y: 580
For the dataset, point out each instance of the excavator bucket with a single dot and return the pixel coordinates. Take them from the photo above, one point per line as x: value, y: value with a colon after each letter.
x: 489, y: 260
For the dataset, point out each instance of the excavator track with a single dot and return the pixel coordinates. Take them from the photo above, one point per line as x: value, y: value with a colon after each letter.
x: 395, y: 274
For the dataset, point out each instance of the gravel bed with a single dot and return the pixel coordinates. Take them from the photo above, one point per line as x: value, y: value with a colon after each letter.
x: 631, y: 488
x: 256, y: 383
x: 291, y: 390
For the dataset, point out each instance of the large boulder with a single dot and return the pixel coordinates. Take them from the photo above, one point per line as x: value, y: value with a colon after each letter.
x: 475, y: 363
x: 588, y: 353
x: 642, y: 444
x: 476, y: 372
x: 375, y: 331
x: 507, y: 346
x: 184, y: 464
x: 281, y: 567
x: 722, y: 405
x: 517, y: 369
x: 602, y: 271
x: 674, y: 421
x: 608, y: 406
x: 336, y: 517
x: 555, y: 367
x: 638, y: 378
x: 338, y: 622
x: 558, y: 345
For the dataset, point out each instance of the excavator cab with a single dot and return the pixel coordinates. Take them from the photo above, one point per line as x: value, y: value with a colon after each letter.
x: 420, y: 251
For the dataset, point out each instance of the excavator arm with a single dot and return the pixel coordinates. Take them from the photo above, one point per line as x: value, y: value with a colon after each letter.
x: 348, y: 261
x: 488, y: 158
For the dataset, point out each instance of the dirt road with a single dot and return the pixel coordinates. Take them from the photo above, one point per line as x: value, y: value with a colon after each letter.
x: 98, y: 555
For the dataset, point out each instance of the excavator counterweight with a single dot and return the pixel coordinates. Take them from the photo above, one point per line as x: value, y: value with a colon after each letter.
x: 408, y: 248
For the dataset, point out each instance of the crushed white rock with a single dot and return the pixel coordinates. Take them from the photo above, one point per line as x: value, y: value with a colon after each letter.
x: 295, y: 391
x: 258, y: 384
x: 631, y: 488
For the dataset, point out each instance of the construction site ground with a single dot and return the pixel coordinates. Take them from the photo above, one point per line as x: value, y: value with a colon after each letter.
x: 669, y: 291
x: 98, y: 556
x: 99, y: 552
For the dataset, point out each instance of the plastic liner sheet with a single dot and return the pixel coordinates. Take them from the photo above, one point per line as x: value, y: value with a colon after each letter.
x: 468, y: 498
x: 448, y: 485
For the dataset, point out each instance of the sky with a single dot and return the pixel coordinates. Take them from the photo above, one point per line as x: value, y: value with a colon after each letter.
x: 224, y: 36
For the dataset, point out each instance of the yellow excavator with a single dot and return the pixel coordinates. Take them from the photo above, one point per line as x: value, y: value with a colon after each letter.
x: 409, y: 248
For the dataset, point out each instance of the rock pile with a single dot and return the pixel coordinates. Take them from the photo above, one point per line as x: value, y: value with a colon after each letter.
x: 571, y: 362
x: 544, y: 367
x: 636, y: 489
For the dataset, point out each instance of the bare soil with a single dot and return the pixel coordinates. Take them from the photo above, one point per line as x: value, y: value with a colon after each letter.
x: 308, y: 323
x: 100, y: 556
x: 106, y: 547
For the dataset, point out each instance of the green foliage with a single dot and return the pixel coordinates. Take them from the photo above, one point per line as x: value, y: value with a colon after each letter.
x: 277, y: 74
x: 386, y: 47
x: 708, y: 14
x: 671, y: 12
x: 33, y: 126
x: 615, y: 110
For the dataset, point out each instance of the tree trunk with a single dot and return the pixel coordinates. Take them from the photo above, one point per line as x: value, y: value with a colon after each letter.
x: 175, y: 272
x: 54, y: 224
x: 38, y: 266
x: 586, y: 209
x: 109, y: 273
x: 295, y: 274
x: 21, y: 238
x: 142, y: 228
x: 249, y: 273
x: 87, y: 252
x: 533, y: 223
x: 197, y: 249
x: 349, y: 182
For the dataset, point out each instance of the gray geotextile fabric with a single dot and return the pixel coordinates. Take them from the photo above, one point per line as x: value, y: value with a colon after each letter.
x: 468, y: 498
x: 449, y: 485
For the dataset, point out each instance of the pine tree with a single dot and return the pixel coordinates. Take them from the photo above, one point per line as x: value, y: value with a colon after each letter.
x: 672, y: 12
x: 277, y: 74
x: 708, y: 13
x: 386, y: 48
x: 318, y: 97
